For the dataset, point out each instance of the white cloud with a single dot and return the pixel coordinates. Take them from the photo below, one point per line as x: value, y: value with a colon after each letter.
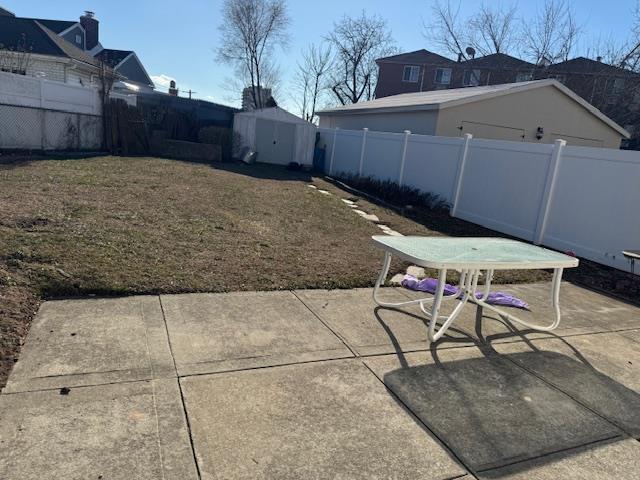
x: 162, y: 80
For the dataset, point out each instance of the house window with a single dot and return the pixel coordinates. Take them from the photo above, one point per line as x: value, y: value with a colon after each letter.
x: 524, y: 77
x: 617, y: 86
x: 79, y: 39
x: 443, y: 76
x: 411, y: 73
x: 471, y: 78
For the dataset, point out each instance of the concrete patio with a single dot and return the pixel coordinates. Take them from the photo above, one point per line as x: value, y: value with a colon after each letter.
x: 321, y: 384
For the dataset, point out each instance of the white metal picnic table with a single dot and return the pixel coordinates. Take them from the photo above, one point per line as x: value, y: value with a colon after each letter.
x: 470, y: 256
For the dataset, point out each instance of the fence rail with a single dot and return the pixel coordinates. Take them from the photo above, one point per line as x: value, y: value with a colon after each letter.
x: 580, y: 199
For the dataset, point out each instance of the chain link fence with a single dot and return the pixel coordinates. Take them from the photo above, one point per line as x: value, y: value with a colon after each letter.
x: 31, y: 128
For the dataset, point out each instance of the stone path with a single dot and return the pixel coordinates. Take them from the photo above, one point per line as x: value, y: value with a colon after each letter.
x: 321, y: 384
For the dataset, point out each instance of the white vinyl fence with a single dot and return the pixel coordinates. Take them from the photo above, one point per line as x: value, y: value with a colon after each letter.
x: 580, y: 199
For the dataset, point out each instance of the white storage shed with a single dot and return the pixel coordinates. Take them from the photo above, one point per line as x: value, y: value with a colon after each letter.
x: 277, y: 136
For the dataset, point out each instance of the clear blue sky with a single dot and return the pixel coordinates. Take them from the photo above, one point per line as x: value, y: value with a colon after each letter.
x: 177, y: 39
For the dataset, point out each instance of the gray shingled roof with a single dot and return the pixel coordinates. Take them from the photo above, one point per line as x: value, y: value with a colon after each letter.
x: 498, y: 60
x: 26, y: 33
x: 113, y: 57
x: 587, y: 66
x: 419, y: 56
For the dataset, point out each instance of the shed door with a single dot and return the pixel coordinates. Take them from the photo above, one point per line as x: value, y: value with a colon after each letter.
x: 275, y: 141
x: 494, y: 132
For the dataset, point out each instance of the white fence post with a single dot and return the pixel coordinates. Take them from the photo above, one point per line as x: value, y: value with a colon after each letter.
x: 404, y: 155
x: 41, y: 92
x: 549, y: 187
x: 364, y: 145
x: 460, y: 175
x: 333, y: 150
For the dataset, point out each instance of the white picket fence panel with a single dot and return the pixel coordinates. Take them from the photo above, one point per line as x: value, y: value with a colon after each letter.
x: 578, y: 199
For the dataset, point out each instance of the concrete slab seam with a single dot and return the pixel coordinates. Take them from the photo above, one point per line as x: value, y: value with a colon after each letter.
x: 342, y: 340
x: 184, y: 406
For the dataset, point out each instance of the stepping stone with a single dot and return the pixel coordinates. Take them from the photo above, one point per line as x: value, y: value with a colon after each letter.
x: 92, y: 341
x: 371, y: 217
x: 397, y: 279
x: 383, y: 227
x: 322, y: 420
x: 417, y: 272
x: 118, y: 432
x: 360, y: 212
x: 232, y: 331
x: 312, y: 186
x: 324, y: 192
x: 394, y: 233
x: 347, y: 201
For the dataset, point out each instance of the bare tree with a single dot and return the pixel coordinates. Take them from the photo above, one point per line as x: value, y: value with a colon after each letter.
x: 250, y: 31
x: 16, y: 59
x: 446, y: 30
x: 551, y: 35
x: 492, y: 29
x: 311, y: 78
x: 357, y: 43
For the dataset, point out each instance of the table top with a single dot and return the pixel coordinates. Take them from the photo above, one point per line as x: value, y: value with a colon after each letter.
x: 473, y: 253
x: 635, y: 254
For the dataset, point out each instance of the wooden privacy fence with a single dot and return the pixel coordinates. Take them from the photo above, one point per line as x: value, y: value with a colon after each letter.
x: 578, y: 199
x: 125, y: 131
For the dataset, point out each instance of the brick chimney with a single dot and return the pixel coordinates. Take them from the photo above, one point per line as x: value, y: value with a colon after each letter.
x: 90, y: 25
x: 172, y: 88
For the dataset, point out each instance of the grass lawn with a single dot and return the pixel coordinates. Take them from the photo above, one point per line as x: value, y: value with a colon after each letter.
x: 112, y: 226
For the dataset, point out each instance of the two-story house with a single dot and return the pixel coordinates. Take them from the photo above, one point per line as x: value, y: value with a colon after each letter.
x: 66, y: 51
x: 423, y: 71
x: 410, y: 72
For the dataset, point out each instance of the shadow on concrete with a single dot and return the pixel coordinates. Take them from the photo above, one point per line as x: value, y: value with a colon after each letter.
x: 492, y: 409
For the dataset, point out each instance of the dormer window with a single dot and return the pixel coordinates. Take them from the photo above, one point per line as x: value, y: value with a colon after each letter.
x: 411, y: 73
x: 78, y: 39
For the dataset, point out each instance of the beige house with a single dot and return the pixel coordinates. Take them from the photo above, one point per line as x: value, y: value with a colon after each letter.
x: 536, y: 111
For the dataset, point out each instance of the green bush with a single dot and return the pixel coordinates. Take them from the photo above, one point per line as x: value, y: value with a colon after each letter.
x: 218, y: 136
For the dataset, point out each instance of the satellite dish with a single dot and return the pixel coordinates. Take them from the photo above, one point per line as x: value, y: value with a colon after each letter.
x: 471, y: 52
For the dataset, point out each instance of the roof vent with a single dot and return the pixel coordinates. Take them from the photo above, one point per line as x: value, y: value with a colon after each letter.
x: 89, y: 14
x: 598, y: 59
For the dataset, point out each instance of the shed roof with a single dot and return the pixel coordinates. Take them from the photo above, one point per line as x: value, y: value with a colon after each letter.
x: 441, y: 99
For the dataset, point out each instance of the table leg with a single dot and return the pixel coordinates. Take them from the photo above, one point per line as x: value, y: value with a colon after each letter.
x: 555, y: 303
x: 381, y: 279
x: 467, y: 287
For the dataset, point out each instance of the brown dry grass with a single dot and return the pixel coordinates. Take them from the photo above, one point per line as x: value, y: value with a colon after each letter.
x: 112, y: 226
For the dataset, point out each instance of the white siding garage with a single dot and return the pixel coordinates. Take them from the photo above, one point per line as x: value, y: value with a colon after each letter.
x: 540, y: 111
